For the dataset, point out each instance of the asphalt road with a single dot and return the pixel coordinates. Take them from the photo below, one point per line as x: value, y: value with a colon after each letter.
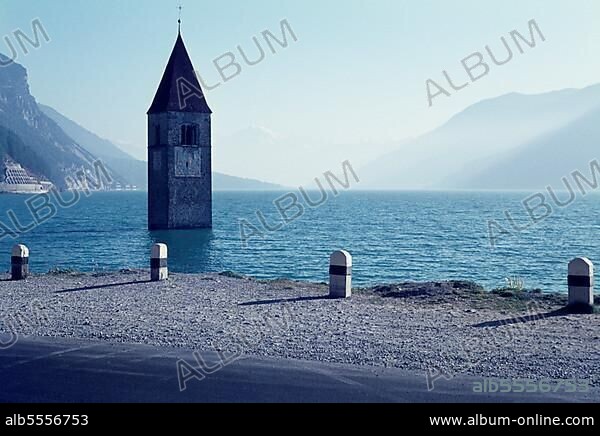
x: 45, y: 370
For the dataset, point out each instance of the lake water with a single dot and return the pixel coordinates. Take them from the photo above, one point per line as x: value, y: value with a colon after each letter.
x: 393, y: 236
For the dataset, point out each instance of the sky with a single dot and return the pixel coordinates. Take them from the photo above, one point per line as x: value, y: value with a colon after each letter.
x: 356, y: 74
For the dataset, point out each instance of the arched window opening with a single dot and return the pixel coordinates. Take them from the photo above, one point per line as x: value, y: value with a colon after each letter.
x: 189, y: 134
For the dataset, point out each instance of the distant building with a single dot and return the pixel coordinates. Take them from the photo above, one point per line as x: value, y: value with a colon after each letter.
x: 179, y: 149
x: 16, y: 180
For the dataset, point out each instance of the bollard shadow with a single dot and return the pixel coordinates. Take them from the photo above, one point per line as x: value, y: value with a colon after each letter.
x: 286, y: 300
x: 110, y: 285
x: 525, y: 319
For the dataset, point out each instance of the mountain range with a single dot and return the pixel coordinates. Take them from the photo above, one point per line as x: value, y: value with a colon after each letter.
x: 133, y: 171
x: 258, y: 152
x: 29, y: 137
x: 514, y: 141
x: 51, y: 146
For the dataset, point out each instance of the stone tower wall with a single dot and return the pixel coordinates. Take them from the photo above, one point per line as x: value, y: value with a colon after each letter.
x: 180, y: 175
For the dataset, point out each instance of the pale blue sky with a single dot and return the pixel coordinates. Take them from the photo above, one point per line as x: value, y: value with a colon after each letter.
x: 357, y: 73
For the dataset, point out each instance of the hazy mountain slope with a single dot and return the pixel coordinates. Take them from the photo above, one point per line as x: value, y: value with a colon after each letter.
x: 258, y: 153
x: 134, y: 171
x: 46, y: 150
x: 222, y: 182
x: 475, y: 137
x: 100, y: 147
x: 546, y: 160
x: 13, y: 148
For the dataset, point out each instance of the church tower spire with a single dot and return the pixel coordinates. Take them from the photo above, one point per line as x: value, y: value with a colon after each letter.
x: 179, y: 89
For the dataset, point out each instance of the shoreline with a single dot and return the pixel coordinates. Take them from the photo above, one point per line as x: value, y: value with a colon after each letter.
x: 454, y: 327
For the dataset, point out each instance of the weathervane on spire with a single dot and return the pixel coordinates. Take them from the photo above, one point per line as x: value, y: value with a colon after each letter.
x: 179, y: 21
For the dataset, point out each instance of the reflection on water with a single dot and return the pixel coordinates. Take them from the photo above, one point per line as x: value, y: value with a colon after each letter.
x: 189, y: 250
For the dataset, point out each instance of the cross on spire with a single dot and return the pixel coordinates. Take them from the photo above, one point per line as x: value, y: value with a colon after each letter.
x: 179, y: 20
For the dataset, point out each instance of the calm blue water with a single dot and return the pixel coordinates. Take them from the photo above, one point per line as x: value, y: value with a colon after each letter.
x: 399, y: 236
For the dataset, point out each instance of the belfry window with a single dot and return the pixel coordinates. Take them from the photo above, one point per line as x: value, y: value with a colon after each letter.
x: 189, y: 134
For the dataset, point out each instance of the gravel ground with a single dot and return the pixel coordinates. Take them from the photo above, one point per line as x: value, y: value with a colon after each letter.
x: 454, y: 327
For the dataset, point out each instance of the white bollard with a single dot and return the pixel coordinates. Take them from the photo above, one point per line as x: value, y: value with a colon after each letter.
x: 581, y: 283
x: 340, y: 275
x: 19, y: 262
x: 158, y: 263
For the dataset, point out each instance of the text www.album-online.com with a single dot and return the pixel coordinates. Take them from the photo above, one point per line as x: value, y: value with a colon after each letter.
x: 537, y: 420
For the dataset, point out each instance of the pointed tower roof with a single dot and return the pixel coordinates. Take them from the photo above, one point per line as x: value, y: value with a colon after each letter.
x: 179, y: 89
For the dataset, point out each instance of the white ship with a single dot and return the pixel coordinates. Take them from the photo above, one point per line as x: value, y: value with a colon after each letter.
x: 18, y: 181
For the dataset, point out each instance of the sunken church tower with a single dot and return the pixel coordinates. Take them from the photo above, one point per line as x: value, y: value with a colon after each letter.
x: 179, y: 149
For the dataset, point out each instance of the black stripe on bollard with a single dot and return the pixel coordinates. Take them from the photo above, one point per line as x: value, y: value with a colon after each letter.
x: 335, y: 270
x: 580, y: 281
x: 158, y: 263
x: 19, y: 260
